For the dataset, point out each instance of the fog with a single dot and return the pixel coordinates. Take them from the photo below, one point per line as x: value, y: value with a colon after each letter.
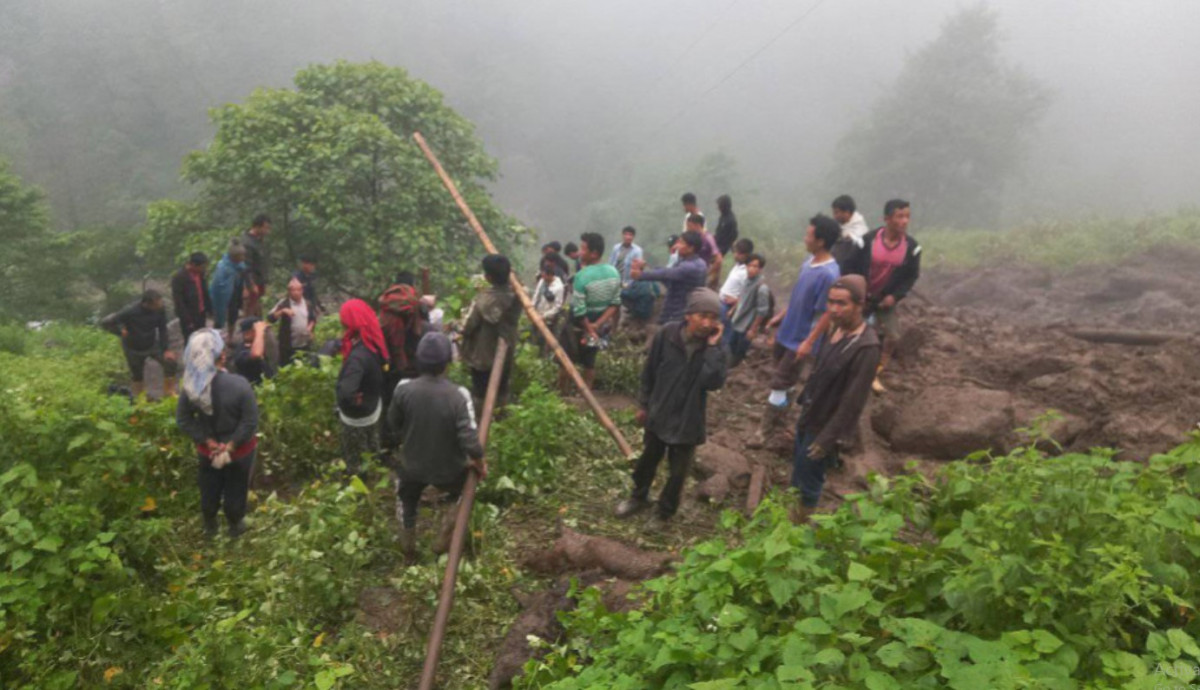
x: 583, y: 102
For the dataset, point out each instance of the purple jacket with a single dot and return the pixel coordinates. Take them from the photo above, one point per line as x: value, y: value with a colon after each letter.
x: 680, y: 279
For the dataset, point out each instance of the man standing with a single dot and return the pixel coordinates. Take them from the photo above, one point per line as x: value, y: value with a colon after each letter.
x: 495, y: 314
x: 890, y: 261
x: 549, y: 298
x: 143, y: 330
x: 435, y: 425
x: 595, y: 299
x: 686, y: 361
x: 690, y: 209
x: 307, y: 275
x: 189, y: 292
x: 801, y: 324
x: 571, y: 251
x: 686, y: 275
x: 708, y: 250
x: 219, y: 413
x: 258, y: 262
x: 854, y: 227
x: 250, y: 360
x: 735, y: 282
x: 625, y: 253
x: 297, y: 318
x: 727, y: 225
x: 836, y: 392
x: 228, y: 283
x: 747, y: 318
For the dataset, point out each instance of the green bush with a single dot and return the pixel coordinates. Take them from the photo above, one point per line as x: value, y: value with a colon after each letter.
x: 1025, y: 572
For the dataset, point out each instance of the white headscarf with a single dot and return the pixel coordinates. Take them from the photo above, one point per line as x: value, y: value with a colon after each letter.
x: 200, y: 357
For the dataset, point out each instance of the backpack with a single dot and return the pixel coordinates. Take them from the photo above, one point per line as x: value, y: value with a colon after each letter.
x: 399, y: 309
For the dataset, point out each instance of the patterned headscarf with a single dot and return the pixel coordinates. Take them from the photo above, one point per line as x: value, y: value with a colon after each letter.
x: 360, y: 321
x: 200, y: 357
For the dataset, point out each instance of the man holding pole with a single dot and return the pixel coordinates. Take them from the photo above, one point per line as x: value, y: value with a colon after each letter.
x: 434, y: 420
x: 687, y: 360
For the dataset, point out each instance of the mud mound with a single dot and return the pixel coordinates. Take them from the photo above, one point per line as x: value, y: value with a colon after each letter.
x: 539, y: 618
x: 574, y: 551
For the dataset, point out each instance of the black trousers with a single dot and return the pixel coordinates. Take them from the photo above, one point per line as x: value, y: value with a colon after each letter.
x: 408, y: 495
x: 229, y: 485
x: 479, y: 384
x: 680, y: 461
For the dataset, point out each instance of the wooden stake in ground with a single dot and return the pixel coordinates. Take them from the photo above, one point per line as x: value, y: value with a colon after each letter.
x: 536, y: 318
x: 461, y: 523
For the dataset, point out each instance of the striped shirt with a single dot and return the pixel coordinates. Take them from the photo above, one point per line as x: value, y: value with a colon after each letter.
x: 597, y: 287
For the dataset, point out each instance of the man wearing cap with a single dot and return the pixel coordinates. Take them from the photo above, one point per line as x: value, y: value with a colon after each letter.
x: 836, y: 391
x: 688, y: 273
x: 434, y: 421
x: 686, y: 361
x: 189, y: 292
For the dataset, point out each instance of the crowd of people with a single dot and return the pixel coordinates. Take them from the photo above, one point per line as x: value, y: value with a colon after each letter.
x: 828, y: 344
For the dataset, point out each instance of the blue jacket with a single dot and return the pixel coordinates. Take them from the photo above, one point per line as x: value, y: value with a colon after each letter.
x: 225, y: 279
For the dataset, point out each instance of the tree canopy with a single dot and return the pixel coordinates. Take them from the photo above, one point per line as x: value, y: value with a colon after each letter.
x: 952, y: 130
x: 333, y: 162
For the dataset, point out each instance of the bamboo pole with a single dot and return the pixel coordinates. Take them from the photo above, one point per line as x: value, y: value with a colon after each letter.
x: 536, y: 318
x: 441, y: 619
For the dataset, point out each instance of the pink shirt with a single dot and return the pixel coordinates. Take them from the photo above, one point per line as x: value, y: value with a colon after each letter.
x: 884, y: 262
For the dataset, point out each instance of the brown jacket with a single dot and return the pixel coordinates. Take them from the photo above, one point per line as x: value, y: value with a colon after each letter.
x: 837, y: 390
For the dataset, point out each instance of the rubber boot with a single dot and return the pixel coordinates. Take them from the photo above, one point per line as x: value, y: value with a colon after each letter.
x: 441, y: 543
x: 769, y: 429
x: 800, y: 514
x: 237, y: 529
x: 408, y: 544
x: 210, y: 526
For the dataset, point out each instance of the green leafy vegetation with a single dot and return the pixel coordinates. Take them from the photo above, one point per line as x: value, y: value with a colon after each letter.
x: 1025, y: 571
x: 105, y: 578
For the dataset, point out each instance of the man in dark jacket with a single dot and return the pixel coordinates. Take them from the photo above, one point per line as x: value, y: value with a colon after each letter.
x: 890, y: 262
x: 219, y: 413
x: 143, y: 330
x: 836, y: 391
x: 727, y: 225
x: 435, y: 424
x: 495, y: 314
x: 307, y: 275
x: 258, y: 264
x: 686, y: 361
x: 189, y: 291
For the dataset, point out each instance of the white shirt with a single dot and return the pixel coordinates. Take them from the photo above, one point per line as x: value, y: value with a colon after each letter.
x: 300, y: 336
x: 689, y: 215
x: 548, y: 308
x: 735, y: 283
x: 855, y: 228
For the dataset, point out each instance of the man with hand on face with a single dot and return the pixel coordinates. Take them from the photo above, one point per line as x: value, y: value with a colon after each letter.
x: 836, y: 392
x: 687, y: 274
x: 686, y: 361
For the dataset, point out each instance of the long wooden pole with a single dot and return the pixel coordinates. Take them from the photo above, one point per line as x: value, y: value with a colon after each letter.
x: 536, y: 318
x: 441, y: 619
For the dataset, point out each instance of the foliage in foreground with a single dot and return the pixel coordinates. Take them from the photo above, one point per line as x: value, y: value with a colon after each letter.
x: 1064, y: 572
x: 105, y: 578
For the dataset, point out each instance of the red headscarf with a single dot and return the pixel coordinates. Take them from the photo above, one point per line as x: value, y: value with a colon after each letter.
x: 359, y: 320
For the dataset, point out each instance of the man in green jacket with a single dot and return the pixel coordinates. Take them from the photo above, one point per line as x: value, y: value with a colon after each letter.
x: 494, y: 314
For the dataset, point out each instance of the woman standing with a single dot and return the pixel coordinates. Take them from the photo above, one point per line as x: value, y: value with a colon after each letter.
x: 360, y: 382
x: 219, y: 412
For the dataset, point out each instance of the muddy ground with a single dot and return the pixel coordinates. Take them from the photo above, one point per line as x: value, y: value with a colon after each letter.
x: 985, y: 354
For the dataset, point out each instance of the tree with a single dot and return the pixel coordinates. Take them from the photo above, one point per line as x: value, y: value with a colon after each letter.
x: 334, y: 164
x: 31, y: 277
x: 953, y: 130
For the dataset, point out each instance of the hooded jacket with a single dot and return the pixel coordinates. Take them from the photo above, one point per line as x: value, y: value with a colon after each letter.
x: 675, y: 386
x: 495, y: 314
